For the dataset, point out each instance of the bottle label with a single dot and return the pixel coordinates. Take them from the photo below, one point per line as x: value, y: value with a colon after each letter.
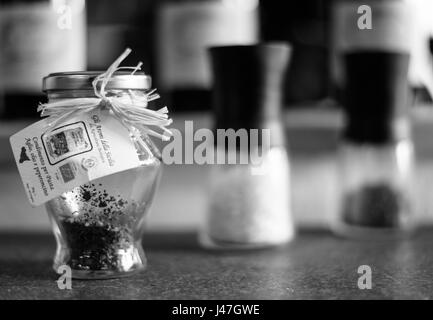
x: 83, y: 148
x: 185, y: 30
x: 34, y: 43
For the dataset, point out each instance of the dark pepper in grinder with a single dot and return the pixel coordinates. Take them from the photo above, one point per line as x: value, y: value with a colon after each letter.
x: 374, y: 205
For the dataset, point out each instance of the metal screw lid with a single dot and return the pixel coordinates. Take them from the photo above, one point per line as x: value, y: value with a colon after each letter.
x: 82, y: 80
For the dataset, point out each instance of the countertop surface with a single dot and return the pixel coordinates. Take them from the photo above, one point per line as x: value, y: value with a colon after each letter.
x: 316, y: 265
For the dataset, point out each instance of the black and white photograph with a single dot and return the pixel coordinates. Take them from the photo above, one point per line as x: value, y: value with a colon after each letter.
x: 215, y: 159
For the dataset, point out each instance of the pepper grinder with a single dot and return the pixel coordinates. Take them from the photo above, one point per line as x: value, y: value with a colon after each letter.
x: 376, y: 154
x: 249, y: 202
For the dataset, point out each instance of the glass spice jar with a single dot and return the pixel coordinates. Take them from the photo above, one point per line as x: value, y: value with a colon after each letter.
x: 98, y: 226
x: 376, y: 155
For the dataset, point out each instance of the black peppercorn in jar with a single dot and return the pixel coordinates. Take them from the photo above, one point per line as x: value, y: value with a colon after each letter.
x: 98, y: 225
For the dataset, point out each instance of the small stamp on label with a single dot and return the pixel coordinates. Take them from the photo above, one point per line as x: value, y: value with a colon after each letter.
x: 66, y: 141
x: 68, y: 171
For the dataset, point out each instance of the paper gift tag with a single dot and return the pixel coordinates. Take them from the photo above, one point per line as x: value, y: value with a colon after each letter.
x: 83, y: 148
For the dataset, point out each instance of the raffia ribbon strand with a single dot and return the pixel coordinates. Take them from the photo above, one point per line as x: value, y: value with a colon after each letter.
x: 130, y: 109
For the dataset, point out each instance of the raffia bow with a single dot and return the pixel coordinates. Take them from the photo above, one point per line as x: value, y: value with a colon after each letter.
x: 130, y: 110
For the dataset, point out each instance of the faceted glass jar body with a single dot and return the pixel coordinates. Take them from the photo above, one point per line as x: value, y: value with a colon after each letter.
x: 98, y: 226
x: 376, y: 186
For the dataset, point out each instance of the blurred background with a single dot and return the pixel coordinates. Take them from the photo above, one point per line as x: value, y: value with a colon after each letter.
x: 170, y: 37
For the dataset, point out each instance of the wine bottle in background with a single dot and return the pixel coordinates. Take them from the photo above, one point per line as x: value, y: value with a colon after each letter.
x: 390, y: 20
x: 304, y: 24
x: 114, y: 25
x: 37, y: 37
x: 184, y: 30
